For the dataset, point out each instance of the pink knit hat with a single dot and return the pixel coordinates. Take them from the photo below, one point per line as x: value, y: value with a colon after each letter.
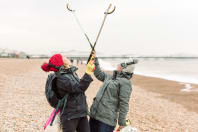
x: 55, y: 62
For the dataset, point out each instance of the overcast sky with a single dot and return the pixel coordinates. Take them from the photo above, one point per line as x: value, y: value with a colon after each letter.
x: 137, y: 26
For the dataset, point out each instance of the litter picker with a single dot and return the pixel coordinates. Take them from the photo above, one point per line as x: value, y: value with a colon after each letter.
x: 105, y: 16
x: 77, y: 20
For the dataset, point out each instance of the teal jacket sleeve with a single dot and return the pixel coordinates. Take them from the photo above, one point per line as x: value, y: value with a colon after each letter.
x: 99, y: 74
x: 124, y: 97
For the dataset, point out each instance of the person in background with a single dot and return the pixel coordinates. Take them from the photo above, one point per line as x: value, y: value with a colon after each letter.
x: 111, y: 103
x: 71, y: 60
x: 74, y: 117
x: 77, y: 61
x: 28, y: 57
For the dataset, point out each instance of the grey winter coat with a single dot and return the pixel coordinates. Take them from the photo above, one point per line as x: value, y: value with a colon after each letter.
x: 112, y: 100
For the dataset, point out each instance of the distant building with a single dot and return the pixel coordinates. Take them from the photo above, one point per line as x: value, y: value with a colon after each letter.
x: 3, y: 54
x: 7, y: 53
x: 21, y: 55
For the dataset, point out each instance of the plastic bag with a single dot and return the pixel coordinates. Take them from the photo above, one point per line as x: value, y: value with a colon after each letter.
x: 129, y: 129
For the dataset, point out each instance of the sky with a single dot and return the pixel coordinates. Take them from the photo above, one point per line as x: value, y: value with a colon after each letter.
x: 143, y: 27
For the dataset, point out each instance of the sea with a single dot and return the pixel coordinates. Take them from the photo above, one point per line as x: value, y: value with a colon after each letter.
x: 183, y: 70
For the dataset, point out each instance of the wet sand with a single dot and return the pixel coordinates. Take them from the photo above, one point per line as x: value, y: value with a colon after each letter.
x: 156, y: 105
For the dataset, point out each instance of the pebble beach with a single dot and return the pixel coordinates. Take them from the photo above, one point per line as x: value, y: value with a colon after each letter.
x: 156, y: 105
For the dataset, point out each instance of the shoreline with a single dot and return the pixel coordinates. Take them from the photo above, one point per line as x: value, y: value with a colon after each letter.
x: 170, y: 90
x: 169, y: 79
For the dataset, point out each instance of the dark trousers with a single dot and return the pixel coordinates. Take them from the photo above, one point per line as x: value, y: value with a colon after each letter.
x: 76, y: 125
x: 98, y: 126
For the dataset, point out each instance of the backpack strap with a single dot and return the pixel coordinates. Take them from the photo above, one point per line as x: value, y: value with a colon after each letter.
x: 60, y: 103
x: 65, y: 103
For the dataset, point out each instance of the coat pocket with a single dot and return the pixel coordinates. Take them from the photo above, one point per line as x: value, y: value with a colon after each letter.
x: 108, y: 110
x: 113, y: 90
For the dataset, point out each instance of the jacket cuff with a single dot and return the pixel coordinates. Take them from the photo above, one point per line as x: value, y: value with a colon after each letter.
x: 87, y: 78
x: 122, y: 122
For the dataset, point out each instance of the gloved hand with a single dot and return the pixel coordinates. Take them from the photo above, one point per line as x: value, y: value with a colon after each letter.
x: 120, y: 128
x: 90, y: 67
